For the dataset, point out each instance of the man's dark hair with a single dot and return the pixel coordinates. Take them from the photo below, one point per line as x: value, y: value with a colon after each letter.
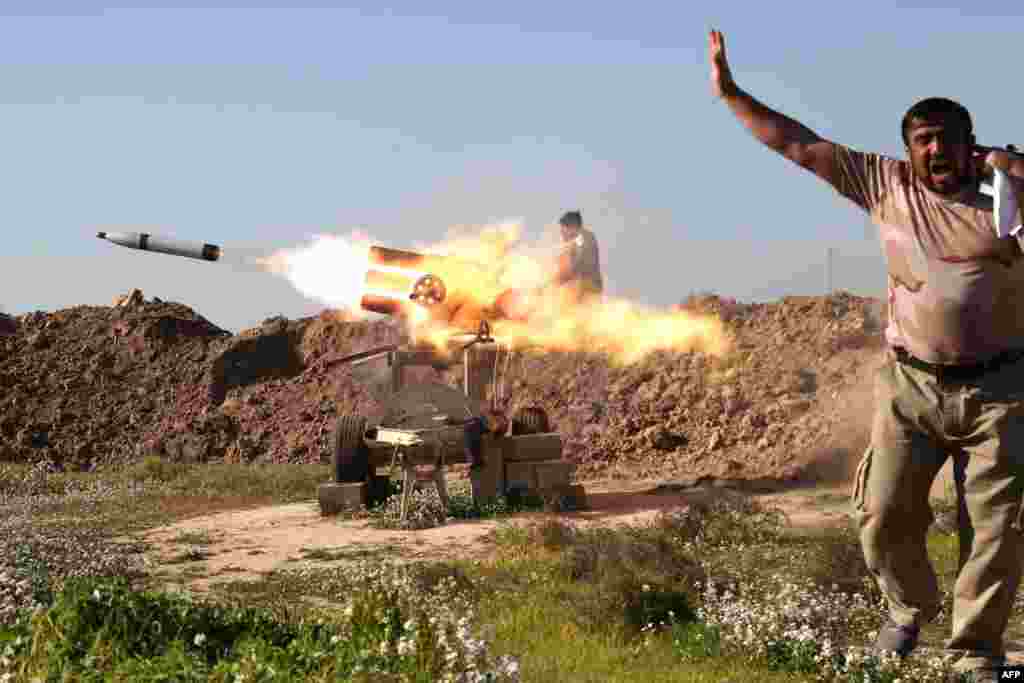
x: 573, y: 218
x: 932, y: 107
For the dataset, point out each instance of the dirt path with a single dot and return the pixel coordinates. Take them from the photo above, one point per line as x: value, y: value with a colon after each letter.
x: 198, y: 553
x: 245, y: 544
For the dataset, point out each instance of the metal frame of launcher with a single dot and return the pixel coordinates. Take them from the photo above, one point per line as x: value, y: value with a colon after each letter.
x: 433, y: 424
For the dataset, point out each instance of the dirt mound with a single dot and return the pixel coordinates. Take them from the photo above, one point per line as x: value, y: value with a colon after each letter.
x: 79, y: 385
x: 91, y: 385
x: 790, y: 401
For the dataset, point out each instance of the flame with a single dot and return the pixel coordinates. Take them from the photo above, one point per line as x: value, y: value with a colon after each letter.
x: 622, y: 329
x: 491, y: 275
x: 332, y: 269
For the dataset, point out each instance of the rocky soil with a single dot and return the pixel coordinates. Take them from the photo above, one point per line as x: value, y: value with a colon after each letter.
x: 92, y: 385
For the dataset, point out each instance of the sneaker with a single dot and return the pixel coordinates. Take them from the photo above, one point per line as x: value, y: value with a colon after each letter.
x: 981, y: 676
x: 893, y: 637
x: 986, y: 674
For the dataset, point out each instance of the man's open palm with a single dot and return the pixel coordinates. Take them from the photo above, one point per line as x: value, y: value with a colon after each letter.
x: 721, y: 77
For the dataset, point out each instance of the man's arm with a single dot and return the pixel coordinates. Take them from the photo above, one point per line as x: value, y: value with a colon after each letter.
x: 789, y: 138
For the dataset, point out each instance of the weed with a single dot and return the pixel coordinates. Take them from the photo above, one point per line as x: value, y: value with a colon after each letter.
x: 426, y: 510
x: 356, y: 553
x: 836, y: 560
x: 154, y: 468
x: 200, y: 537
x: 722, y: 580
x: 696, y: 640
x: 108, y: 629
x: 634, y: 576
x: 554, y: 534
x: 193, y: 554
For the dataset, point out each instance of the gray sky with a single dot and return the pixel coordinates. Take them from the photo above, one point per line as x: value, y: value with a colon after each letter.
x: 259, y: 128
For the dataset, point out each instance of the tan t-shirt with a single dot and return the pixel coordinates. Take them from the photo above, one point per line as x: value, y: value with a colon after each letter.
x: 580, y: 264
x: 956, y: 290
x: 587, y: 263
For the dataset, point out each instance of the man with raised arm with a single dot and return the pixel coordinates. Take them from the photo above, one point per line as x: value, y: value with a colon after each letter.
x: 953, y: 380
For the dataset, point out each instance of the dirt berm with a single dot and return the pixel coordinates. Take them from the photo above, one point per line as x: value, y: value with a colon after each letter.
x: 90, y: 385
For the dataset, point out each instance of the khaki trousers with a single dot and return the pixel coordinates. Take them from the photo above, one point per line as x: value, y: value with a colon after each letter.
x: 919, y: 422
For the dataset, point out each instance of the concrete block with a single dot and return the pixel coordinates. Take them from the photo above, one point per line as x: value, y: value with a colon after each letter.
x: 335, y: 498
x: 533, y: 447
x: 520, y: 475
x: 564, y: 498
x: 553, y: 474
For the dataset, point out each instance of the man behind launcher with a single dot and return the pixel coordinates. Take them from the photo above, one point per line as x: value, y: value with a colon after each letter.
x: 579, y: 265
x: 953, y: 381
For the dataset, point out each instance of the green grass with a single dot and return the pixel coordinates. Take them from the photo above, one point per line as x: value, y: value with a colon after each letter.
x: 552, y: 647
x: 534, y: 610
x: 944, y: 551
x: 562, y: 599
x: 96, y: 631
x: 571, y: 604
x: 426, y: 510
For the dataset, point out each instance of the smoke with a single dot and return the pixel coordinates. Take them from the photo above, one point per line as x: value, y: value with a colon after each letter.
x: 330, y: 269
x: 245, y: 259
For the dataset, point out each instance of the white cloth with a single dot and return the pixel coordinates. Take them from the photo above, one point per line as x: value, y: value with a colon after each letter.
x: 1004, y: 204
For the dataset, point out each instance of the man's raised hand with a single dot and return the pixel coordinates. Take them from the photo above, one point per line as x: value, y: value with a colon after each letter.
x: 721, y: 77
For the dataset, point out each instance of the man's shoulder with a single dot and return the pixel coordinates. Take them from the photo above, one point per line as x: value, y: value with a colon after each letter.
x: 854, y: 155
x: 869, y: 178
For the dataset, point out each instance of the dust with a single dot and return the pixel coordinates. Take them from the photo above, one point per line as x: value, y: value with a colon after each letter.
x: 836, y: 462
x: 852, y: 408
x: 374, y: 377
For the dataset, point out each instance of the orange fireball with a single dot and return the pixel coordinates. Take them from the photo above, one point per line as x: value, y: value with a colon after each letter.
x: 488, y: 275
